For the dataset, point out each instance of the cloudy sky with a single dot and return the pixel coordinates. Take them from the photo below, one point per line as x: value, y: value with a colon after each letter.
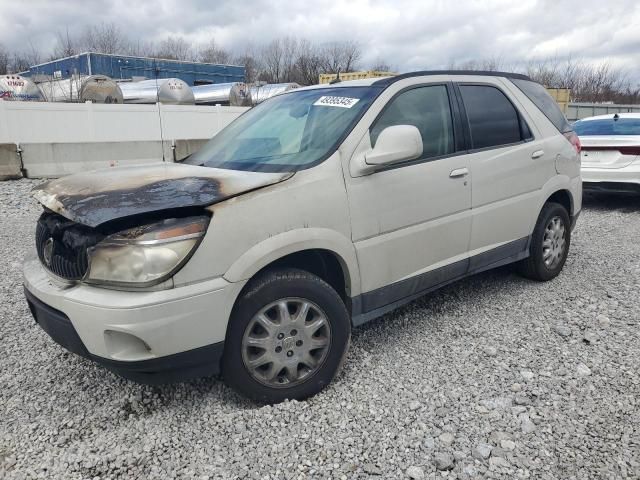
x: 407, y: 34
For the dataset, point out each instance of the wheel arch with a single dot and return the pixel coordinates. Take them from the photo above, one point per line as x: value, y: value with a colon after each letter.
x: 323, y: 252
x: 564, y: 198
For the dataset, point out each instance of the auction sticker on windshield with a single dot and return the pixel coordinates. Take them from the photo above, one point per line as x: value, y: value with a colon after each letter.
x: 342, y: 102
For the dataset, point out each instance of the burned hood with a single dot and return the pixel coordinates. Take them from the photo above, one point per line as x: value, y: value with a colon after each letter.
x: 97, y: 197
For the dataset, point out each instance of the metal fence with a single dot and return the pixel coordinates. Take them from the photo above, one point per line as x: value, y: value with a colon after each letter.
x: 576, y: 111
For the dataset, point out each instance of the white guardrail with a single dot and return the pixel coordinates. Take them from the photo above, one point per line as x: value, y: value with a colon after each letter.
x: 55, y: 139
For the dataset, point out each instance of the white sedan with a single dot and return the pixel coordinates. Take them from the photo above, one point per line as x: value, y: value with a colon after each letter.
x: 610, y: 152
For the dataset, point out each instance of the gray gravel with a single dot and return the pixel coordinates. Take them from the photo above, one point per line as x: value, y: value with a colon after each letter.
x: 493, y: 377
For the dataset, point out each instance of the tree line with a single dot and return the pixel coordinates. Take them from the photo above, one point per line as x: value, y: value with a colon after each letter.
x: 589, y: 82
x: 286, y: 59
x: 291, y: 59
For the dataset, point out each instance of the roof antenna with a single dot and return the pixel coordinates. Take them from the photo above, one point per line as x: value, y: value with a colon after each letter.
x: 616, y: 117
x: 337, y: 79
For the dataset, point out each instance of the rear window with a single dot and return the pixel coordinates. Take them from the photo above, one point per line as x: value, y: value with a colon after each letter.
x: 608, y: 126
x: 547, y: 105
x: 493, y: 120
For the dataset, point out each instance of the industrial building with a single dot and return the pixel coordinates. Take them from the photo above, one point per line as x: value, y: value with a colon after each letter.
x: 122, y: 67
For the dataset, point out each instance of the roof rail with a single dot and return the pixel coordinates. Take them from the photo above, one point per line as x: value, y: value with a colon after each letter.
x: 484, y: 73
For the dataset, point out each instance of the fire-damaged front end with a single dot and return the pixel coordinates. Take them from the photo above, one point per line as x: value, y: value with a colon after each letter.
x: 120, y: 254
x: 108, y: 245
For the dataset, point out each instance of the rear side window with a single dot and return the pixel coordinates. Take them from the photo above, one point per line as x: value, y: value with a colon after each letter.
x: 426, y: 108
x: 547, y: 105
x: 493, y: 120
x: 608, y: 126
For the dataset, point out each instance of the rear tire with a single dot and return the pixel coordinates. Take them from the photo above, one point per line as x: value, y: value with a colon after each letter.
x: 550, y: 244
x: 287, y: 338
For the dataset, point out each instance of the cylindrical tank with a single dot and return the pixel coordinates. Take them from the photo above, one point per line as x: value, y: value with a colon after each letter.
x: 63, y: 90
x: 259, y: 93
x: 19, y: 89
x: 235, y: 93
x: 100, y: 89
x: 170, y: 91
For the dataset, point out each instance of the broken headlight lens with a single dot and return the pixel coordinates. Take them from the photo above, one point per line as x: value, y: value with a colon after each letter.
x: 146, y: 255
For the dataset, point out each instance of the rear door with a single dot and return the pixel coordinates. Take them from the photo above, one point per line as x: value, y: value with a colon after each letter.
x: 509, y: 165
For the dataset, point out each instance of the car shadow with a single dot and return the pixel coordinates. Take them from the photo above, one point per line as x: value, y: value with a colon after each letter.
x: 603, y: 202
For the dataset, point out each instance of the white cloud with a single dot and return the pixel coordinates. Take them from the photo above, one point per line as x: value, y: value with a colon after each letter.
x: 408, y: 34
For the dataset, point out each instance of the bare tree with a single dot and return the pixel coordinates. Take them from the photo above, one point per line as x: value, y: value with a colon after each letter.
x: 211, y: 52
x: 495, y: 63
x: 174, y: 48
x: 341, y: 56
x: 251, y: 62
x: 290, y: 51
x: 140, y: 48
x: 272, y: 56
x: 4, y: 60
x: 19, y: 63
x: 66, y: 45
x: 380, y: 65
x: 309, y: 62
x: 104, y: 38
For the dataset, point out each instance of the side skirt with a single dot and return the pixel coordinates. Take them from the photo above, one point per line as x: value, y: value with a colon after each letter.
x: 374, y: 304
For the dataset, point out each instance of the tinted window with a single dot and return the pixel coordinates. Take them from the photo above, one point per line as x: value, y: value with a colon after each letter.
x: 608, y: 126
x: 493, y: 120
x: 547, y: 105
x: 427, y: 108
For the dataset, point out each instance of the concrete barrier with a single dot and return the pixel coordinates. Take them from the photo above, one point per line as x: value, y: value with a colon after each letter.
x: 60, y: 139
x: 9, y: 162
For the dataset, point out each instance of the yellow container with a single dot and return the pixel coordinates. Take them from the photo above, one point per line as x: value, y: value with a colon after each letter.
x: 328, y: 77
x: 561, y: 96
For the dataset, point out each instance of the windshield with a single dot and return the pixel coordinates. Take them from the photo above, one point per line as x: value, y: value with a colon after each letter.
x: 287, y: 132
x: 608, y: 126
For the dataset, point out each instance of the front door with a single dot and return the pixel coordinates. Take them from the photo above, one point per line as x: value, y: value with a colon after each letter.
x: 411, y: 222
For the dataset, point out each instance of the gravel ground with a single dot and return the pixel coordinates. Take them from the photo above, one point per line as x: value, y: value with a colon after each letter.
x: 493, y: 377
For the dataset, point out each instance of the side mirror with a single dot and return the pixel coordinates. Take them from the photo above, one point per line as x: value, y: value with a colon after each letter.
x: 395, y: 144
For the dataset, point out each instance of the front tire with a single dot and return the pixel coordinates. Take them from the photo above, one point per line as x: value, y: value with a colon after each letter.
x: 550, y: 244
x: 287, y: 338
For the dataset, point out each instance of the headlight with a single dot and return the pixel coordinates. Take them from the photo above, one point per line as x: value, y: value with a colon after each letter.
x: 146, y: 255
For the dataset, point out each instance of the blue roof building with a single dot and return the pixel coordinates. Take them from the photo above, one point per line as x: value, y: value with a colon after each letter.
x: 127, y: 67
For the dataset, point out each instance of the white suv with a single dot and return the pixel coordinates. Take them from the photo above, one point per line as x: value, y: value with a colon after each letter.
x: 312, y: 213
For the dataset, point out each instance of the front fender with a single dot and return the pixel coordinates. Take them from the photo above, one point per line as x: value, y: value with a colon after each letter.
x: 292, y: 241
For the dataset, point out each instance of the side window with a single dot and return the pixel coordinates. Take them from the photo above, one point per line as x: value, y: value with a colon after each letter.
x: 427, y: 108
x: 493, y: 120
x: 541, y: 98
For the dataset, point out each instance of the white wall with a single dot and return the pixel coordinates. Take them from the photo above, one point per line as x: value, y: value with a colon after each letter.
x: 62, y: 138
x: 39, y: 122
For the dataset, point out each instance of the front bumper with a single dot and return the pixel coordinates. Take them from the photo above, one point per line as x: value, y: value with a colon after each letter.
x: 148, y: 336
x: 199, y: 362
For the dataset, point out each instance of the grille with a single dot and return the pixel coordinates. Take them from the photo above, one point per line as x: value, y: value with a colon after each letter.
x: 62, y: 246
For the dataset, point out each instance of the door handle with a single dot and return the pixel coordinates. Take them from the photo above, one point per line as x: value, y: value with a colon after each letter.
x: 459, y: 172
x: 537, y: 154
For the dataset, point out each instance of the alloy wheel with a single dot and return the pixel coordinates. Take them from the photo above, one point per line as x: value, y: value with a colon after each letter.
x: 286, y: 342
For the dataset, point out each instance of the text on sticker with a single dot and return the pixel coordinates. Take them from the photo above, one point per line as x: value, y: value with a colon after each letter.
x: 343, y: 102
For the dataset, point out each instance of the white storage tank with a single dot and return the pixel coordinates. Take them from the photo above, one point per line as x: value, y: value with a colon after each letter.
x: 259, y: 93
x: 170, y: 91
x: 100, y: 89
x: 16, y: 88
x: 63, y: 90
x: 235, y: 93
